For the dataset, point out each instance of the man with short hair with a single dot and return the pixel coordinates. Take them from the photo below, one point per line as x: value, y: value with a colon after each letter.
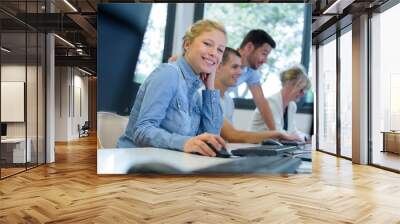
x: 227, y: 75
x: 254, y: 51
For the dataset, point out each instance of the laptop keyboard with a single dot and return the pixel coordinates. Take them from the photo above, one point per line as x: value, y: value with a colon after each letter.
x: 263, y: 150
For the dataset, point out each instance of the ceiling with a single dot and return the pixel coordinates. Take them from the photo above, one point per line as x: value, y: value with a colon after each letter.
x: 75, y: 21
x: 76, y: 24
x: 330, y: 15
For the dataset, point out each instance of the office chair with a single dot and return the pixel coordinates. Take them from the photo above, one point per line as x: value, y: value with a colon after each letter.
x: 110, y: 127
x: 84, y: 130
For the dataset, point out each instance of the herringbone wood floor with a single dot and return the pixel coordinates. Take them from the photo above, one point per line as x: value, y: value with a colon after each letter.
x: 70, y: 191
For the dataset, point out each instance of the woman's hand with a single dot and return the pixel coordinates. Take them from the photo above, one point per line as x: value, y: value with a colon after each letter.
x: 208, y: 79
x: 199, y: 144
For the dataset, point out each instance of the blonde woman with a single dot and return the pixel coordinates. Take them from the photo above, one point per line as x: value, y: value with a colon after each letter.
x: 169, y: 112
x: 283, y: 104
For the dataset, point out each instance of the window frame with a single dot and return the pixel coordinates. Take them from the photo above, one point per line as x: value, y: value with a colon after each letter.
x: 302, y: 106
x: 379, y: 10
x: 333, y: 37
x: 332, y: 33
x: 25, y: 30
x: 169, y: 31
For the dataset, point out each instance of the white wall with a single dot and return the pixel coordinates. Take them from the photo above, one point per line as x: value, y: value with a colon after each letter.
x: 12, y: 100
x: 13, y: 73
x: 242, y: 120
x: 61, y: 103
x: 33, y: 126
x: 80, y: 102
x: 71, y: 94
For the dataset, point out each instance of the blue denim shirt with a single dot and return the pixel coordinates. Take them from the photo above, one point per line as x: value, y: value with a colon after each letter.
x: 250, y: 76
x: 169, y: 110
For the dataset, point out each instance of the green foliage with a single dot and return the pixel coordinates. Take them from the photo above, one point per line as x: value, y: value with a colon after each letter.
x: 283, y: 21
x: 150, y: 55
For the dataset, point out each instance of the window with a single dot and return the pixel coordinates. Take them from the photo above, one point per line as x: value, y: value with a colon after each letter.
x: 22, y: 65
x: 385, y: 84
x: 150, y: 55
x: 346, y: 94
x: 284, y: 22
x: 327, y: 97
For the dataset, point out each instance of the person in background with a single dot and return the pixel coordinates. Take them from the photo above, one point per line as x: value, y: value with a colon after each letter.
x: 254, y: 49
x: 295, y: 83
x: 169, y: 112
x: 227, y: 74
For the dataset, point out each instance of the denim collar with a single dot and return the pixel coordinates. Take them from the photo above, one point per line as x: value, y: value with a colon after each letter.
x: 190, y: 77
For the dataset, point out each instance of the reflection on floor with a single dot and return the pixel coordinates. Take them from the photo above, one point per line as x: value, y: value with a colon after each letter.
x: 386, y: 159
x: 10, y: 169
x: 346, y: 151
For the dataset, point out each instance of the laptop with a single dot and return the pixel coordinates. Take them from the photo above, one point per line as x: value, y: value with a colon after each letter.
x: 263, y: 150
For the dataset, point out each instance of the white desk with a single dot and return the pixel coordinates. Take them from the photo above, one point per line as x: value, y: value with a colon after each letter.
x: 120, y: 161
x: 18, y: 149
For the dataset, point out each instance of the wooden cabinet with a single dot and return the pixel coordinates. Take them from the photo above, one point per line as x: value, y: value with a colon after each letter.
x: 391, y: 141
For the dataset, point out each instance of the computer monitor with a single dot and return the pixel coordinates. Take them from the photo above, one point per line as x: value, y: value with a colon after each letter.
x: 3, y: 129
